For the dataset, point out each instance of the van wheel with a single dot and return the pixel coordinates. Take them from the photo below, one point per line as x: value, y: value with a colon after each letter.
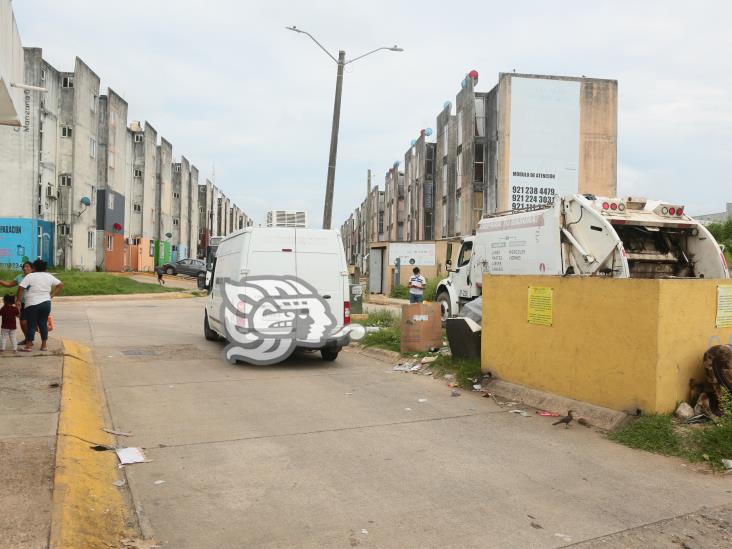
x: 443, y: 298
x: 329, y: 354
x: 208, y: 333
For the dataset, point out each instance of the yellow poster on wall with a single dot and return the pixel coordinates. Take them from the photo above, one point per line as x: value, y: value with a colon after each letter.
x: 541, y: 305
x: 724, y: 306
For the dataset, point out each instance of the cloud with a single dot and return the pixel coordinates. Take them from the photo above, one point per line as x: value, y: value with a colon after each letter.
x: 229, y: 86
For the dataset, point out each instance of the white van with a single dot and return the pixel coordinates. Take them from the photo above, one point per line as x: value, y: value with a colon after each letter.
x: 313, y: 256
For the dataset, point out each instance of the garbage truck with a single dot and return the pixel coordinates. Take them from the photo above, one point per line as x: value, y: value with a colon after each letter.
x: 583, y: 235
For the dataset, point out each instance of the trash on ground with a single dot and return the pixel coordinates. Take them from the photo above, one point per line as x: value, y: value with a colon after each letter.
x: 428, y: 359
x: 421, y: 400
x: 477, y: 387
x: 119, y: 483
x: 349, y: 393
x: 449, y: 377
x: 407, y: 409
x: 118, y: 433
x: 464, y: 337
x: 402, y: 367
x: 372, y: 329
x: 701, y: 418
x: 547, y: 414
x: 520, y: 412
x: 136, y: 543
x: 455, y: 393
x: 536, y: 525
x: 364, y: 532
x: 101, y: 448
x: 416, y: 368
x: 684, y: 411
x: 130, y: 455
x: 727, y: 463
x: 158, y: 482
x: 564, y: 537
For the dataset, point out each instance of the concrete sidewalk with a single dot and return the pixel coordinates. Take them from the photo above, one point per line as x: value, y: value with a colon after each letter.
x: 29, y: 406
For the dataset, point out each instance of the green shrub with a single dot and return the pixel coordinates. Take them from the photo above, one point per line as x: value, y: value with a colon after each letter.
x: 383, y: 318
x: 400, y: 292
x: 430, y: 290
x: 386, y: 338
x: 653, y: 433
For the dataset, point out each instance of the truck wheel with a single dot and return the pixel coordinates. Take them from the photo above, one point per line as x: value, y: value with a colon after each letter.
x: 330, y: 354
x: 443, y: 298
x: 208, y: 333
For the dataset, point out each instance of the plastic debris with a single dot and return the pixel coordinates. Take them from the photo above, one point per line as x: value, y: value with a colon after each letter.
x: 477, y: 387
x: 119, y: 483
x: 130, y: 455
x: 727, y: 463
x: 364, y: 532
x: 449, y: 377
x: 416, y: 368
x: 684, y: 411
x: 428, y: 359
x: 548, y: 414
x: 421, y: 400
x: 136, y: 543
x: 402, y: 367
x: 564, y: 537
x: 455, y: 393
x: 159, y: 482
x: 520, y: 412
x: 407, y: 409
x: 118, y: 433
x: 701, y: 418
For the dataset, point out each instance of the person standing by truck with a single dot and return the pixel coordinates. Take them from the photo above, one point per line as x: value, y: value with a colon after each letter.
x: 416, y: 286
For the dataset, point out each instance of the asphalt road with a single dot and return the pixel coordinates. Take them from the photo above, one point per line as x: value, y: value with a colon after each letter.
x: 316, y: 454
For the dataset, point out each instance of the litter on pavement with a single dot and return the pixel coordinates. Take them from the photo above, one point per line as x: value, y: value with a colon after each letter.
x: 520, y: 412
x: 158, y: 482
x: 421, y: 400
x: 130, y: 455
x: 118, y: 433
x: 727, y: 463
x: 548, y: 414
x: 402, y: 367
x: 455, y: 393
x: 119, y: 483
x: 477, y: 387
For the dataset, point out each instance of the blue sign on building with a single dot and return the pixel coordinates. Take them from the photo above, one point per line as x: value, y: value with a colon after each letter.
x: 23, y: 239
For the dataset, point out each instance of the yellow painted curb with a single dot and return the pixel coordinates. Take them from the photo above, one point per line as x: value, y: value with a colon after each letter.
x: 88, y: 510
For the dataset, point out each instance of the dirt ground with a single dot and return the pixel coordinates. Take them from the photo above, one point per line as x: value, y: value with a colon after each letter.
x: 29, y: 403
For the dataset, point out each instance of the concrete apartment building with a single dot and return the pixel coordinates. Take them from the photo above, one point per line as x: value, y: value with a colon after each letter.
x: 394, y: 207
x: 143, y: 220
x: 164, y: 202
x: 193, y: 213
x: 514, y: 147
x: 112, y: 182
x: 12, y: 69
x: 180, y: 207
x: 419, y: 177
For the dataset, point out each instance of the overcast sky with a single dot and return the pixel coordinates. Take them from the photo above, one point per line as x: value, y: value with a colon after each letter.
x: 229, y: 86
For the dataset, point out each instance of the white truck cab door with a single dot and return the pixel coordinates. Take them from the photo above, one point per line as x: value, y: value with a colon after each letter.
x: 461, y: 276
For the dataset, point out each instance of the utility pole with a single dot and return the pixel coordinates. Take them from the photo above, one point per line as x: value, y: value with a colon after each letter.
x: 328, y: 208
x: 367, y: 240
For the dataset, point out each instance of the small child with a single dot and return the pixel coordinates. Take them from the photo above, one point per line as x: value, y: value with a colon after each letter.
x: 9, y: 313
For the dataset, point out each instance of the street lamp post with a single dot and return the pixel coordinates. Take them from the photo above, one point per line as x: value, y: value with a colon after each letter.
x: 341, y: 62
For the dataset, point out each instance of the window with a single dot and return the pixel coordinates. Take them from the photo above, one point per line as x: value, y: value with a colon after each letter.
x: 184, y: 261
x: 43, y: 75
x: 152, y: 248
x: 67, y: 82
x: 465, y: 253
x: 110, y: 243
x: 136, y: 208
x: 90, y: 239
x: 66, y: 131
x: 92, y: 147
x: 479, y: 117
x: 110, y: 159
x: 460, y: 164
x: 459, y: 127
x: 444, y: 180
x: 65, y: 180
x: 200, y: 210
x: 446, y: 139
x: 176, y: 221
x: 457, y: 214
x: 478, y: 164
x: 93, y: 102
x: 63, y: 230
x: 177, y: 167
x: 138, y: 138
x: 176, y: 195
x: 110, y: 201
x: 138, y: 172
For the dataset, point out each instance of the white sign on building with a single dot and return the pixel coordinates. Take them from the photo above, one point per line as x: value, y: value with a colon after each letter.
x: 544, y: 141
x: 412, y: 254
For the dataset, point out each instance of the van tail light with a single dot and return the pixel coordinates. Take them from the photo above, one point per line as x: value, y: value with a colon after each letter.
x: 346, y: 313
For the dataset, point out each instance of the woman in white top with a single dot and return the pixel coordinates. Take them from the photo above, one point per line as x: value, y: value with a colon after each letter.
x: 37, y: 289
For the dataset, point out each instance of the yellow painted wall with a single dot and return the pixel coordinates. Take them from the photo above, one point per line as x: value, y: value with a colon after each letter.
x: 622, y: 344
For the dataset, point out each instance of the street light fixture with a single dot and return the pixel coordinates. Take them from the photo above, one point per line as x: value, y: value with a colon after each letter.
x: 341, y: 62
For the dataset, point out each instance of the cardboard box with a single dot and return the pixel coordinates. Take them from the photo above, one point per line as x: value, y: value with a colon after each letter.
x: 421, y: 327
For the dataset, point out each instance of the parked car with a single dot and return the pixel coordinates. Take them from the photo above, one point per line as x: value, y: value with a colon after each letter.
x: 190, y: 267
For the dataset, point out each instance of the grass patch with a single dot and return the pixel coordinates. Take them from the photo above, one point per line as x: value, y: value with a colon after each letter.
x: 92, y: 283
x: 662, y: 434
x: 383, y: 318
x: 466, y: 371
x: 386, y: 338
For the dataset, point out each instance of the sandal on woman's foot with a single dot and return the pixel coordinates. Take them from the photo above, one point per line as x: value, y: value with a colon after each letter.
x: 25, y: 350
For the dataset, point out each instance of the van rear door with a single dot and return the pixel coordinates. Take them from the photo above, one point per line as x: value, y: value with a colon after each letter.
x: 271, y: 252
x: 321, y: 263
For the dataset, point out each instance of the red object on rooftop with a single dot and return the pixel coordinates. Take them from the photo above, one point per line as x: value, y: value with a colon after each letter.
x: 473, y: 74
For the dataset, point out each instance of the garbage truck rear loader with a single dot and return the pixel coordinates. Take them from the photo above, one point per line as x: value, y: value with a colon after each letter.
x: 584, y: 235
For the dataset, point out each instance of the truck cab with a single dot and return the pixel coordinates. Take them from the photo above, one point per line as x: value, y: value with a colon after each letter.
x: 463, y: 282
